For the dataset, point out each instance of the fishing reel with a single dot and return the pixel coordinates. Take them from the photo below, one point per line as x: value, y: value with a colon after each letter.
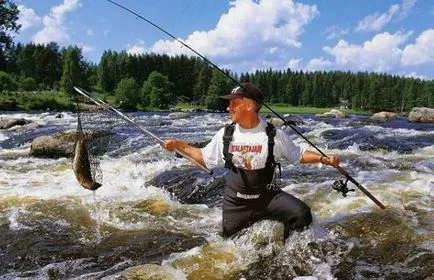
x: 342, y: 187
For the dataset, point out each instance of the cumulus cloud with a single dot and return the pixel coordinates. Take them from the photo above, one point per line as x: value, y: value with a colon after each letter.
x: 246, y: 32
x: 137, y: 48
x: 319, y: 64
x: 380, y: 54
x: 27, y: 17
x: 295, y: 64
x: 385, y: 52
x: 377, y: 21
x: 421, y: 52
x: 54, y: 29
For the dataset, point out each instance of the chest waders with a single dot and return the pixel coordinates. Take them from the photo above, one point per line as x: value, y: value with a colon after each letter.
x: 252, y: 195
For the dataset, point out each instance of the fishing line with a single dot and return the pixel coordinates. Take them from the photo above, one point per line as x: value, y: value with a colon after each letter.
x: 288, y: 123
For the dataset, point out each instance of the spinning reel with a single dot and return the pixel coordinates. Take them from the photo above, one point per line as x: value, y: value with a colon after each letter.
x: 342, y: 187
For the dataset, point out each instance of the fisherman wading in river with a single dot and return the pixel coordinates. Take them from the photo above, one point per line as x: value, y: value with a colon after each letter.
x: 250, y: 149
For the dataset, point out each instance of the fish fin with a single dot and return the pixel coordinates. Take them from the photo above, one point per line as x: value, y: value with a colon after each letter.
x: 96, y: 186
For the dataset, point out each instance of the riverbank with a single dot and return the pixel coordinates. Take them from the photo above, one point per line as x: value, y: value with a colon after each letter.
x: 58, y: 101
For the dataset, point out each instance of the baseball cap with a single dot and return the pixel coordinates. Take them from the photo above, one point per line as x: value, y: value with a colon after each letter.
x: 247, y: 90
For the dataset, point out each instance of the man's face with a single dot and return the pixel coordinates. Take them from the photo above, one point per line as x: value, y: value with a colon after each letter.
x: 238, y: 108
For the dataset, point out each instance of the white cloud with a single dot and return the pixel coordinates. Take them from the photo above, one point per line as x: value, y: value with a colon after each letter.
x: 377, y: 21
x: 406, y: 8
x: 334, y: 32
x: 422, y: 51
x: 295, y: 64
x: 415, y: 75
x: 85, y: 48
x: 385, y: 52
x: 27, y: 17
x: 381, y: 54
x: 90, y: 32
x: 137, y: 48
x: 54, y: 29
x: 246, y: 32
x: 319, y: 64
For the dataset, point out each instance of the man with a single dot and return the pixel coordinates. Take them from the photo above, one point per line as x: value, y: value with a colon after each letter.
x: 250, y: 194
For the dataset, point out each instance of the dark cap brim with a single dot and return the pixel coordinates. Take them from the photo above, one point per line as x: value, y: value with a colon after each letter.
x: 231, y: 96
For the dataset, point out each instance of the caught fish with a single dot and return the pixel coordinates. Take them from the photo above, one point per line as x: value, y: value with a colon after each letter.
x: 81, y: 166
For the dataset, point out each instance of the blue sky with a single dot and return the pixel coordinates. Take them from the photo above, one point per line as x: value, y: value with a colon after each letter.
x: 390, y: 36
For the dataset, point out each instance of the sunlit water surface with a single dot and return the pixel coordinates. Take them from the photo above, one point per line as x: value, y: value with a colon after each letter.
x: 50, y: 227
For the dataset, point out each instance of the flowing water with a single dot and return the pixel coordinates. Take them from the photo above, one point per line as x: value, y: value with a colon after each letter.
x: 51, y: 228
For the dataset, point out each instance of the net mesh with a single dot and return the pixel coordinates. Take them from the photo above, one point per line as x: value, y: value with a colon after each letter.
x: 95, y: 128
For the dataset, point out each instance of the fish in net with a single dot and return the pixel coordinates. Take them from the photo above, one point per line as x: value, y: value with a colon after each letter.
x: 92, y: 138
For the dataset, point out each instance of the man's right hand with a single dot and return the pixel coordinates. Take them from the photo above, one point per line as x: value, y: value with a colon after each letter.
x: 174, y: 144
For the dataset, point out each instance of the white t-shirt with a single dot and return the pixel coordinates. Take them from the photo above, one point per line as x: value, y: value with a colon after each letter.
x: 250, y: 148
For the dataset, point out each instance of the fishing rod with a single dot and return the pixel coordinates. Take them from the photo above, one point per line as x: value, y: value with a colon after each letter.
x: 108, y: 107
x: 288, y: 123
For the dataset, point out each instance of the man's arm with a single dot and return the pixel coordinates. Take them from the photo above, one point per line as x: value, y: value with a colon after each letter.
x: 311, y: 157
x: 182, y: 146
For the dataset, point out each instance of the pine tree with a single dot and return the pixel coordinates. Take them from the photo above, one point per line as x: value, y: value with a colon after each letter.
x: 73, y: 71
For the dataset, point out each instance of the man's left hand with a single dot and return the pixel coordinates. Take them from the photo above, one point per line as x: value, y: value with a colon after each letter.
x: 331, y: 160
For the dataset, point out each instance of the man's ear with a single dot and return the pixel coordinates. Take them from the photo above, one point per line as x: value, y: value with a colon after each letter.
x: 251, y: 106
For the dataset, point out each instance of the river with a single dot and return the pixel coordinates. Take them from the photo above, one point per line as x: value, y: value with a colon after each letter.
x: 51, y: 228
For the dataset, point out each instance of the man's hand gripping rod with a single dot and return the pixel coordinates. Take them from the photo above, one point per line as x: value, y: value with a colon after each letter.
x: 108, y: 107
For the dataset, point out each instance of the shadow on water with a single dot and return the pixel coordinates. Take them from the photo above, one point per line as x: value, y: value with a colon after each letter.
x: 385, y: 244
x: 68, y: 243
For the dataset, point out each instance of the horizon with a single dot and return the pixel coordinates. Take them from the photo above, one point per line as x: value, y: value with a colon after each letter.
x: 388, y: 37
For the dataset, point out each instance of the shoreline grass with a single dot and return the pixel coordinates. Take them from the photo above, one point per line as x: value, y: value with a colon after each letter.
x: 284, y: 109
x: 55, y: 100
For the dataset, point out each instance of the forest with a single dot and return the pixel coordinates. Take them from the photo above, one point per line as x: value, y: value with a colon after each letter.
x: 138, y: 82
x: 157, y: 81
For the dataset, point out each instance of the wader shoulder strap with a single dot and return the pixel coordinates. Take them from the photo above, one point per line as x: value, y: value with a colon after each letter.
x: 271, y: 133
x: 227, y: 138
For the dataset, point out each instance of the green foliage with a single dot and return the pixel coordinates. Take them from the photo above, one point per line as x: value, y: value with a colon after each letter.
x: 195, y: 80
x: 127, y: 94
x: 8, y: 23
x: 106, y: 72
x: 219, y: 85
x: 38, y: 101
x: 6, y: 82
x: 27, y: 84
x: 73, y: 71
x: 157, y: 91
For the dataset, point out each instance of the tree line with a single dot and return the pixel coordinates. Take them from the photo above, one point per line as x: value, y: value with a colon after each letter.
x: 159, y: 81
x: 137, y: 82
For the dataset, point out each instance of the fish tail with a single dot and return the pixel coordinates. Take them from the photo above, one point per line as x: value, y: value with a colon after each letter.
x: 96, y: 185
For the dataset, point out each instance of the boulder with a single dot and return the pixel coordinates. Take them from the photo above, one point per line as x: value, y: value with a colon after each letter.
x: 192, y: 186
x: 334, y: 113
x: 384, y: 116
x: 59, y: 144
x: 53, y: 146
x: 421, y: 115
x: 5, y: 124
x: 279, y: 122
